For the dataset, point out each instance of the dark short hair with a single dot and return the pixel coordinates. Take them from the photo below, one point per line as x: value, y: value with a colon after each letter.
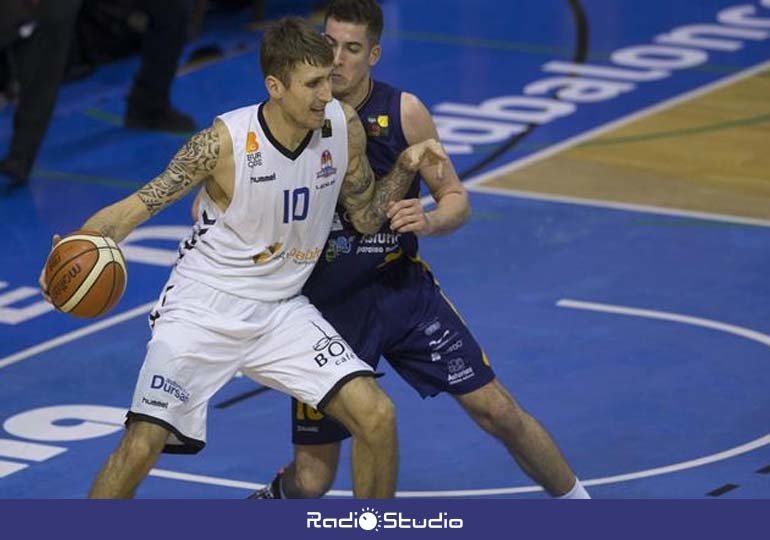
x: 291, y: 41
x: 366, y: 12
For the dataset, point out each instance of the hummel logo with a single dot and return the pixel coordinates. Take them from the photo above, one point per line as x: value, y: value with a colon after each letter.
x: 258, y: 179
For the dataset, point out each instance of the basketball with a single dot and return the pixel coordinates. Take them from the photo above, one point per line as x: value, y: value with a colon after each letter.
x: 85, y: 274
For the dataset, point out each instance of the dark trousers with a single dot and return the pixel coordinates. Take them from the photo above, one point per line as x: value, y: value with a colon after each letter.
x: 40, y: 62
x: 42, y: 59
x: 162, y: 46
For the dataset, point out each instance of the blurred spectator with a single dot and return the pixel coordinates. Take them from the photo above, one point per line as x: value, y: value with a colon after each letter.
x: 41, y: 60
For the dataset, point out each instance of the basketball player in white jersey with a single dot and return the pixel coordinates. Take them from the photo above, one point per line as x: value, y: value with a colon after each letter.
x: 275, y: 172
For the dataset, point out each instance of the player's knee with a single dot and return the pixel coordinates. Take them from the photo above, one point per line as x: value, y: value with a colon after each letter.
x: 138, y: 449
x: 500, y: 416
x: 382, y: 419
x: 378, y: 417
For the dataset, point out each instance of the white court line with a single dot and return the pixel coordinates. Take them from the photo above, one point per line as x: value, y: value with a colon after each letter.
x: 641, y: 208
x: 747, y: 333
x: 684, y: 465
x: 75, y: 334
x: 472, y: 183
x: 752, y: 335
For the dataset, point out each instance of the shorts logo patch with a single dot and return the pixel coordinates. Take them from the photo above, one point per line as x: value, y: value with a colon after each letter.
x: 331, y: 348
x: 432, y: 328
x: 458, y: 372
x: 170, y: 387
x: 455, y: 346
x: 440, y: 341
x: 155, y: 403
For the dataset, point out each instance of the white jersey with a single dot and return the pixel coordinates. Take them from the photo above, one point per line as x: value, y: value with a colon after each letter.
x: 264, y: 246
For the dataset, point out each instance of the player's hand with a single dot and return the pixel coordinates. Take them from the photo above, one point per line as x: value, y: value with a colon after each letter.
x: 41, y: 280
x: 423, y: 154
x: 408, y: 215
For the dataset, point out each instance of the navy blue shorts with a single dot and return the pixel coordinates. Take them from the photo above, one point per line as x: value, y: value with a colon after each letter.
x: 405, y: 318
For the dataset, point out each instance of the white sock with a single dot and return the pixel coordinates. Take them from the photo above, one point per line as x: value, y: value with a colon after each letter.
x: 577, y: 492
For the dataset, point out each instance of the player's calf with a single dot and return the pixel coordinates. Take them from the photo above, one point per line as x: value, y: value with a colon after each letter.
x: 370, y: 416
x: 130, y: 463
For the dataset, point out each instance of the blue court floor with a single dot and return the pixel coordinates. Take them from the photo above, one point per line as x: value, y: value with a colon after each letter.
x: 640, y: 340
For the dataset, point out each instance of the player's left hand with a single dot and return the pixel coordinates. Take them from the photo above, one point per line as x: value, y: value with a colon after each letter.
x: 408, y: 215
x: 41, y: 279
x: 424, y: 154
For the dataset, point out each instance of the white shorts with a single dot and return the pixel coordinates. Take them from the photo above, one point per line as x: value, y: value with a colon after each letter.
x: 202, y: 337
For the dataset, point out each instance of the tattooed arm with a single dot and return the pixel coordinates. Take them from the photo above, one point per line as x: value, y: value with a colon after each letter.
x: 193, y: 163
x: 365, y: 200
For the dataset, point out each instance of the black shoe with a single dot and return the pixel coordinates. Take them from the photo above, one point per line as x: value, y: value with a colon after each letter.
x: 270, y: 491
x: 15, y: 172
x: 168, y: 119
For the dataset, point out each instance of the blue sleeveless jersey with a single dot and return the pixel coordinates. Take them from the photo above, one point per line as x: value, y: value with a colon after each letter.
x: 352, y: 260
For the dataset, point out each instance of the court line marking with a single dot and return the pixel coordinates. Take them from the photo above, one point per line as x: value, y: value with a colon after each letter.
x: 628, y: 207
x: 75, y: 334
x: 472, y: 184
x: 565, y: 303
x: 747, y: 333
x: 706, y: 460
x: 682, y: 132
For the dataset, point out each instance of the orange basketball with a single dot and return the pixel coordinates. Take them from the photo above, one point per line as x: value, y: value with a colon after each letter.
x: 85, y: 274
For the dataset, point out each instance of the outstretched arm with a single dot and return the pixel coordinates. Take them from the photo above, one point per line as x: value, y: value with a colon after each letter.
x: 192, y: 164
x: 367, y: 201
x: 452, y: 206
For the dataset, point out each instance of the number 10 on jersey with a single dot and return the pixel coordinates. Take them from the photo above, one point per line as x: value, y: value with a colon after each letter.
x: 295, y: 204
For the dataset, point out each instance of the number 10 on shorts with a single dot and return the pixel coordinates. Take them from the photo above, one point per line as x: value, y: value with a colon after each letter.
x: 295, y: 206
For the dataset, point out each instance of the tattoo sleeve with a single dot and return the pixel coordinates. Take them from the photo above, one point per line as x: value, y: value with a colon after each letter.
x: 365, y: 199
x: 193, y: 163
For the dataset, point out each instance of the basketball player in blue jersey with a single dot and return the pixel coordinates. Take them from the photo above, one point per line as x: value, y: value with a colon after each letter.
x: 274, y: 172
x: 385, y: 302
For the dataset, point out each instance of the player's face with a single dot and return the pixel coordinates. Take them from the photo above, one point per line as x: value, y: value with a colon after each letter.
x: 354, y: 55
x: 305, y: 99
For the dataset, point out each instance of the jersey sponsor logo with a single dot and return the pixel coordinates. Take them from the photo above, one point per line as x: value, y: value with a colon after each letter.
x: 341, y: 245
x: 379, y: 243
x: 267, y: 254
x: 327, y: 184
x: 305, y: 256
x: 327, y: 166
x: 261, y: 179
x: 252, y: 144
x: 378, y: 126
x: 253, y: 155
